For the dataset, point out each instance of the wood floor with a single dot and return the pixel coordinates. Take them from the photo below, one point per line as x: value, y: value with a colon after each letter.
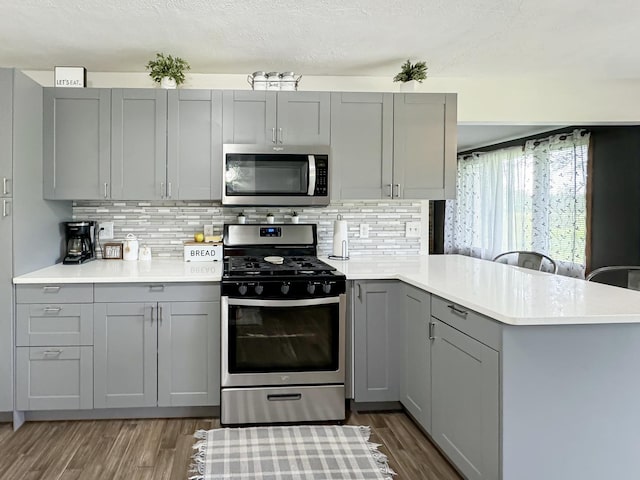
x: 160, y: 449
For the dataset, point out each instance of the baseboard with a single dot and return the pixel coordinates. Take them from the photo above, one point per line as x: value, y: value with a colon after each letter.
x: 6, y: 417
x: 123, y: 413
x: 375, y: 406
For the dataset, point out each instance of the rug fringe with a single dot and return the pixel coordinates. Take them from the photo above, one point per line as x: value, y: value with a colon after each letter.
x: 380, y: 458
x: 198, y: 458
x: 200, y: 434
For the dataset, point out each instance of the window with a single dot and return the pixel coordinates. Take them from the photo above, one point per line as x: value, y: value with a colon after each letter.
x: 523, y: 198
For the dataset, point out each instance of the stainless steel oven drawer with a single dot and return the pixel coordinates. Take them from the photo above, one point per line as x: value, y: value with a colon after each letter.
x: 282, y: 404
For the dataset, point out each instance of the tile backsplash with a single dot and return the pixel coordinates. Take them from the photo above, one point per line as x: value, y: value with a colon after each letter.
x: 164, y: 226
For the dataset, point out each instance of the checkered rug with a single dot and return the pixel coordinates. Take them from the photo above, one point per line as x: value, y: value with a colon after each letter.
x: 288, y: 453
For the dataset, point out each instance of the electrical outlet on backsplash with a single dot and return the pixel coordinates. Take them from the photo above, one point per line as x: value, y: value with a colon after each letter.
x: 164, y: 226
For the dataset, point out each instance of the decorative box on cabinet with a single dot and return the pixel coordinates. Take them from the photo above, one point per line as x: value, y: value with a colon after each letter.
x: 54, y: 347
x: 261, y: 117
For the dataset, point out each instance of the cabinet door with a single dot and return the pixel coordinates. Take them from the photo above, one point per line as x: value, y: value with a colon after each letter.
x: 39, y: 324
x: 125, y: 350
x: 189, y: 354
x: 465, y: 417
x: 138, y: 144
x: 6, y: 313
x: 424, y: 145
x: 361, y: 145
x: 54, y: 378
x: 249, y: 117
x: 6, y: 131
x: 376, y: 342
x: 77, y: 133
x: 304, y: 118
x: 415, y: 355
x: 194, y: 143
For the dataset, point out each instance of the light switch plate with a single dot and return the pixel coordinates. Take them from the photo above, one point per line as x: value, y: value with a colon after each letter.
x: 208, y: 230
x: 107, y: 233
x: 412, y: 230
x: 364, y: 230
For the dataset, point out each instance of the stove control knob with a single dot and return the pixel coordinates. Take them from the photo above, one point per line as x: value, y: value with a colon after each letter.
x: 242, y: 289
x: 284, y: 288
x: 259, y: 288
x: 326, y: 288
x: 311, y: 288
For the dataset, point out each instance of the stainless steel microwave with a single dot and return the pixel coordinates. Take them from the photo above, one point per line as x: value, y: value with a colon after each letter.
x: 275, y: 175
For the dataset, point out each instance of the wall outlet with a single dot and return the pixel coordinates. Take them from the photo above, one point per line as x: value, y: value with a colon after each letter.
x: 107, y: 230
x: 208, y: 230
x: 412, y: 230
x: 364, y: 230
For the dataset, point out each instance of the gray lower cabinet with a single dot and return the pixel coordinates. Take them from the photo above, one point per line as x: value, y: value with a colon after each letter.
x: 376, y: 340
x: 361, y: 145
x: 415, y: 354
x: 424, y: 145
x: 77, y: 143
x: 466, y: 407
x: 54, y: 347
x: 261, y: 117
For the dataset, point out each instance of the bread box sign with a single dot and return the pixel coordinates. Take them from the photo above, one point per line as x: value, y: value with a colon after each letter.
x: 202, y: 252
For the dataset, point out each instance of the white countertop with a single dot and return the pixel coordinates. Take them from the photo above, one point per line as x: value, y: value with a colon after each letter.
x: 510, y: 294
x: 110, y: 271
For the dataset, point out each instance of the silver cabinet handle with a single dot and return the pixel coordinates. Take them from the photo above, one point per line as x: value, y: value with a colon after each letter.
x: 169, y: 190
x: 5, y: 190
x: 156, y: 288
x: 280, y: 135
x: 51, y: 289
x: 162, y: 190
x: 6, y: 208
x: 49, y: 309
x: 359, y: 291
x: 52, y: 353
x: 106, y: 185
x: 283, y: 397
x: 396, y: 188
x: 273, y: 135
x: 152, y: 310
x: 390, y: 187
x: 432, y: 331
x: 457, y: 311
x: 160, y: 315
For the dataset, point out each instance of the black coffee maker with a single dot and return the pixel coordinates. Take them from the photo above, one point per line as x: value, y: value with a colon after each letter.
x: 80, y: 237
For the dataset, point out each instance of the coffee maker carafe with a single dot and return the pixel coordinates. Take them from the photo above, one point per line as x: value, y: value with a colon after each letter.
x: 80, y: 242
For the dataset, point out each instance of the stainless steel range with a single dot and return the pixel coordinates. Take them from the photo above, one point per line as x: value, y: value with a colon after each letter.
x: 283, y: 327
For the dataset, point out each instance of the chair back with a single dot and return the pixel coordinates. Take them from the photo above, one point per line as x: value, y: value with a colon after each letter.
x: 626, y: 276
x: 531, y: 260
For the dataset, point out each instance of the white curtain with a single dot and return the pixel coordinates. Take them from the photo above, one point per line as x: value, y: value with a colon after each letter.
x: 523, y: 198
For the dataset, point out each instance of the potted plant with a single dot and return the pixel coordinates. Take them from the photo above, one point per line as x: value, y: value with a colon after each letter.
x: 411, y: 74
x: 167, y: 70
x: 241, y: 218
x: 294, y: 217
x: 270, y: 218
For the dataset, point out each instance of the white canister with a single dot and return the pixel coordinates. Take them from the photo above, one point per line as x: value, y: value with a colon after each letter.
x: 145, y: 253
x: 287, y: 81
x: 273, y: 81
x: 130, y: 247
x: 259, y: 80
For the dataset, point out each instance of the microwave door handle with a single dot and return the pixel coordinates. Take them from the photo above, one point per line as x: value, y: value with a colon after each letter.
x: 312, y: 175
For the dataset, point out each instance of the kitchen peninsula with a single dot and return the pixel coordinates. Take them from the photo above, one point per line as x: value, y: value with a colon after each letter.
x: 515, y: 374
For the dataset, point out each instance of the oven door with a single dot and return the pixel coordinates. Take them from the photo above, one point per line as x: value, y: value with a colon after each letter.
x: 283, y: 342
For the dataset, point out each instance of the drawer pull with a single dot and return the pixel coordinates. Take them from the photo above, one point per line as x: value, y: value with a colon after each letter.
x: 51, y: 289
x: 52, y: 309
x: 284, y: 397
x: 52, y: 353
x: 432, y: 331
x: 457, y: 311
x: 156, y: 288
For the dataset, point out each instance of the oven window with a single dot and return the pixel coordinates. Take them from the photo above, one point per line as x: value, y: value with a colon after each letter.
x: 249, y: 174
x: 283, y: 339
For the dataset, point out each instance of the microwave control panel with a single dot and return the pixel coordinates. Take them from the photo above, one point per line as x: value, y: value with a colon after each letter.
x: 322, y: 176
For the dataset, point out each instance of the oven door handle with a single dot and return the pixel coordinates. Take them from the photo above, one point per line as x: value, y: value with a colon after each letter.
x: 312, y: 176
x: 258, y: 302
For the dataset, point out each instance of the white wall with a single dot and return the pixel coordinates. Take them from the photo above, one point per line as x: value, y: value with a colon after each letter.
x: 569, y: 101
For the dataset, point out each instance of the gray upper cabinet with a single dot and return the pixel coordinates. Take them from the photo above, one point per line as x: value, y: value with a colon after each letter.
x: 77, y: 134
x: 138, y: 144
x: 260, y: 117
x: 415, y: 354
x: 465, y: 416
x: 361, y: 145
x: 6, y: 132
x: 376, y: 342
x: 194, y: 145
x: 424, y: 145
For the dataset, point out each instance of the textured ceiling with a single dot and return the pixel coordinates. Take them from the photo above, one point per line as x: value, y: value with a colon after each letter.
x: 457, y: 38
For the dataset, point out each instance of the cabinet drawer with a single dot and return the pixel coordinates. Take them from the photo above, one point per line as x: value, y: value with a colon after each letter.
x: 54, y: 378
x: 54, y: 324
x: 157, y: 292
x: 467, y: 321
x: 58, y: 293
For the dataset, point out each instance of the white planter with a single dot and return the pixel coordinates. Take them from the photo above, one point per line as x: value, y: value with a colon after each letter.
x: 409, y: 86
x: 168, y: 82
